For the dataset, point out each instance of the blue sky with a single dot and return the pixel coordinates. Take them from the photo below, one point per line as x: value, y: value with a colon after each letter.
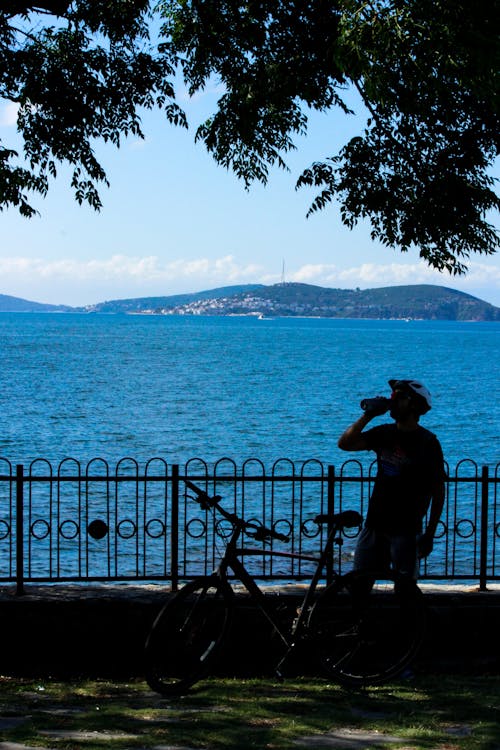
x: 173, y: 221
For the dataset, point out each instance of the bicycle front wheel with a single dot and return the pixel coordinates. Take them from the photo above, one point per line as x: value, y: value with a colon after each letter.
x: 187, y: 635
x: 367, y: 627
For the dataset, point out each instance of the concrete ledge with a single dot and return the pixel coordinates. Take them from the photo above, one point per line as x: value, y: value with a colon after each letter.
x: 65, y: 631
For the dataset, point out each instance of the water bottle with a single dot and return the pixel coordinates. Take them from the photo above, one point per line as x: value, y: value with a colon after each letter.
x: 376, y: 405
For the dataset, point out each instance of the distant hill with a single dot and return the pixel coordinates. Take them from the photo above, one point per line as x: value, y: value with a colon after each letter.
x: 142, y: 304
x: 418, y: 301
x: 421, y: 301
x: 16, y: 304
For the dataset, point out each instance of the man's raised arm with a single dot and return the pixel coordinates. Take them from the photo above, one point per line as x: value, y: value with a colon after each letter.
x: 353, y: 439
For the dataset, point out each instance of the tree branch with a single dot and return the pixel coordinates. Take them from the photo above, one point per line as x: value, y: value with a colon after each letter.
x: 18, y: 7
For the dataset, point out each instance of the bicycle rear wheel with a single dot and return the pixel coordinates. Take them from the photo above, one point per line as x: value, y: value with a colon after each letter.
x: 186, y: 636
x: 367, y: 627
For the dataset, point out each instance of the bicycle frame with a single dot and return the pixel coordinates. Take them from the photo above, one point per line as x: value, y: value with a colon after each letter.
x: 356, y: 643
x: 231, y: 561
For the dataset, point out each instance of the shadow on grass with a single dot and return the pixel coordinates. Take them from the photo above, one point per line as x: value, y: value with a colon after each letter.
x: 428, y: 712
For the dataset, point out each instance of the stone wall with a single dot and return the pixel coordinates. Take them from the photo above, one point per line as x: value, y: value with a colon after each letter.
x: 65, y: 631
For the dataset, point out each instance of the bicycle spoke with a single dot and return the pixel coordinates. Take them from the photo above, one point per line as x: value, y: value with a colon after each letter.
x: 367, y: 638
x: 186, y: 636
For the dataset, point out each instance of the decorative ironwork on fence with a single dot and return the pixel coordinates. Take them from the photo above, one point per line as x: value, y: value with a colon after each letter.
x: 90, y: 523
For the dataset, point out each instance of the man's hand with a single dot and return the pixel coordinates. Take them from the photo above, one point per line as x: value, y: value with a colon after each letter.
x: 375, y: 407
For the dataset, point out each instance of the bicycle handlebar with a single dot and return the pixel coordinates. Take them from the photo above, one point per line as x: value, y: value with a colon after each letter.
x: 264, y: 533
x: 203, y: 498
x: 206, y: 503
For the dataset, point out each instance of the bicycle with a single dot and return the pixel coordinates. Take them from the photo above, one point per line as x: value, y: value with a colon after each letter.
x: 363, y: 628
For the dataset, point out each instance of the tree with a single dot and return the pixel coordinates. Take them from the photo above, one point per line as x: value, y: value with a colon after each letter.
x: 428, y: 73
x: 79, y: 71
x: 426, y: 70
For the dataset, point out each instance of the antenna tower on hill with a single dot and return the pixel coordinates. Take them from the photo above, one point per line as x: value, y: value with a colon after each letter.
x: 283, y: 273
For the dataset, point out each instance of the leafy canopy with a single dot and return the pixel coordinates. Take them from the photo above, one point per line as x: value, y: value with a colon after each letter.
x: 428, y: 73
x: 426, y: 70
x: 79, y: 71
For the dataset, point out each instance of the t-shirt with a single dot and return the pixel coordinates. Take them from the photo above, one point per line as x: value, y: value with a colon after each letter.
x: 408, y: 465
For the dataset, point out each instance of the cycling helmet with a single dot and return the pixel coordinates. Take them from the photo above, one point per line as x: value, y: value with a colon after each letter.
x: 424, y: 399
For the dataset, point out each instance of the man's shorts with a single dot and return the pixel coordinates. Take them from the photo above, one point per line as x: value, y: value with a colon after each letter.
x: 377, y: 550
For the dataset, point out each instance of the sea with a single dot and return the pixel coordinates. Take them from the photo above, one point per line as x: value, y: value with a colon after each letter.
x: 179, y: 387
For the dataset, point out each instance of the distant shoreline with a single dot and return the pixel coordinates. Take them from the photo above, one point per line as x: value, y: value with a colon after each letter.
x: 151, y: 314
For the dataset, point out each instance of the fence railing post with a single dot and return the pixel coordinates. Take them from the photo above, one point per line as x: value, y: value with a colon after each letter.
x: 19, y: 530
x: 174, y: 533
x: 330, y: 505
x: 483, y: 551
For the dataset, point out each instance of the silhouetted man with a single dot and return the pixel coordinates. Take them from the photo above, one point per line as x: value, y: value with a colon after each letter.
x: 410, y: 480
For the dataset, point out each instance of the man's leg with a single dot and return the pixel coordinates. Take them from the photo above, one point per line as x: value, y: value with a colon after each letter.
x: 405, y: 562
x: 371, y: 554
x: 403, y: 551
x: 372, y: 551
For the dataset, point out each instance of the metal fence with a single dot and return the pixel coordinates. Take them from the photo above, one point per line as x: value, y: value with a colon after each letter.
x: 92, y: 523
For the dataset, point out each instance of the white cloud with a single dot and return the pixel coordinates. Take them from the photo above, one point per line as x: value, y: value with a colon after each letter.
x: 129, y: 268
x: 312, y: 273
x: 389, y: 274
x: 138, y: 144
x: 483, y: 273
x: 212, y: 90
x: 8, y: 114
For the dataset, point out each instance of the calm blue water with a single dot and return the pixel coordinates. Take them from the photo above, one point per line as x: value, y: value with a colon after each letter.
x: 177, y: 387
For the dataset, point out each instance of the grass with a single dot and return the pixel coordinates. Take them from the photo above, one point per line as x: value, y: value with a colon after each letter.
x: 429, y: 712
